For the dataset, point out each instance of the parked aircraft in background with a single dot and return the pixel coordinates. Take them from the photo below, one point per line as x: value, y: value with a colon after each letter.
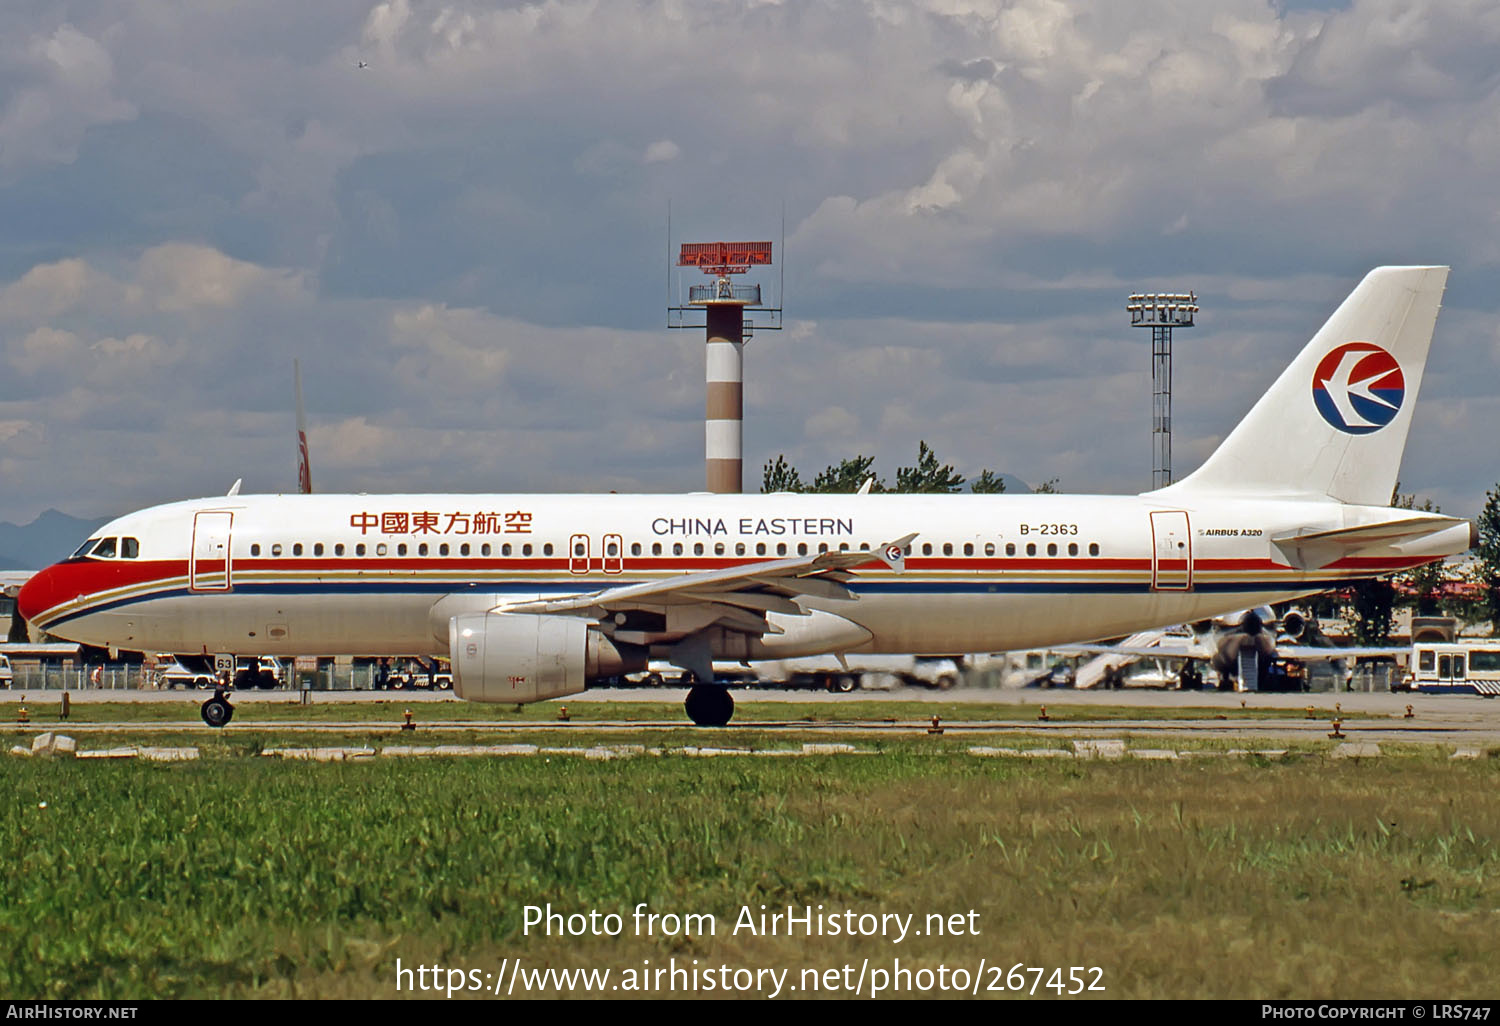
x: 533, y: 596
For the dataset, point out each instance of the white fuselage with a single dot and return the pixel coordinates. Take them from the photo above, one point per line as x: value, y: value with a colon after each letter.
x: 292, y: 575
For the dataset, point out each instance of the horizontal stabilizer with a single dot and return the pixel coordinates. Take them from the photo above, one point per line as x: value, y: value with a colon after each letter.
x: 1409, y: 536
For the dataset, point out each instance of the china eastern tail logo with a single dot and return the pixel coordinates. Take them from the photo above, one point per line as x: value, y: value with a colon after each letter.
x: 1358, y: 388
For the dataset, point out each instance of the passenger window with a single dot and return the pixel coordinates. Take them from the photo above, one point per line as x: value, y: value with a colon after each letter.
x: 760, y: 548
x: 443, y: 549
x: 677, y: 548
x: 578, y: 549
x: 718, y: 548
x: 656, y: 548
x: 926, y: 548
x: 739, y: 548
x: 276, y: 549
x: 697, y: 548
x: 824, y: 548
x: 802, y: 548
x: 781, y: 548
x: 844, y: 547
x: 864, y: 546
x: 317, y: 548
x: 297, y: 549
x: 1010, y: 548
x: 526, y: 549
x: 547, y: 549
x: 947, y: 548
x: 130, y: 548
x: 463, y: 550
x: 989, y: 548
x: 338, y: 550
x: 401, y: 549
x: 610, y: 550
x: 1052, y: 548
x: 1072, y: 548
x: 381, y: 549
x: 1093, y: 548
x: 635, y: 548
x: 1425, y: 660
x: 359, y: 550
x: 1031, y: 548
x: 422, y: 549
x: 484, y: 550
x: 968, y: 548
x: 255, y: 550
x: 505, y: 549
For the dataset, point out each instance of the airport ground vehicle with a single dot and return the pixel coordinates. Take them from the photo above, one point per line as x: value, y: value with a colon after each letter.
x: 171, y: 674
x: 1459, y: 668
x: 7, y: 676
x: 872, y: 672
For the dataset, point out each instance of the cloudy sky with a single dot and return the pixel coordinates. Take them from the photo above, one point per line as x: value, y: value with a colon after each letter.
x: 465, y: 241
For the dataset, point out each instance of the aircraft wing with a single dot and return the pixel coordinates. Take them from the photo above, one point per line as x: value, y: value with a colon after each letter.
x: 1314, y: 653
x: 1167, y: 648
x: 737, y: 597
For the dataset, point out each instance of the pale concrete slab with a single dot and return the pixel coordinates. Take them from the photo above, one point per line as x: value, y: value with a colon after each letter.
x: 1099, y: 748
x: 1357, y: 750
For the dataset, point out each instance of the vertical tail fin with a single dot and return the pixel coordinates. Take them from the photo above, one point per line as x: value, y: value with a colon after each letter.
x: 1335, y: 423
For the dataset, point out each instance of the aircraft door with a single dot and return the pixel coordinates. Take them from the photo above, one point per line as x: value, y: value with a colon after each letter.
x: 614, y: 554
x: 578, y: 554
x: 209, y: 566
x: 1171, y: 552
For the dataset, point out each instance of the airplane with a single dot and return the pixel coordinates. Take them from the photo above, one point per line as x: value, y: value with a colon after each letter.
x: 534, y: 596
x: 1241, y: 646
x: 362, y: 64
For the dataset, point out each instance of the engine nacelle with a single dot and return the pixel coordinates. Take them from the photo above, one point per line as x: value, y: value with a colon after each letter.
x: 517, y: 657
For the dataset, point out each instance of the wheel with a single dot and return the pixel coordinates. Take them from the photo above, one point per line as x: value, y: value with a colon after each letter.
x: 652, y: 680
x: 265, y: 680
x: 709, y: 705
x: 397, y: 683
x: 216, y: 712
x: 946, y: 682
x: 844, y: 683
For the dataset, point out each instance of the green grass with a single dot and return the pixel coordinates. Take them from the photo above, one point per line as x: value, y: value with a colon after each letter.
x: 1213, y: 878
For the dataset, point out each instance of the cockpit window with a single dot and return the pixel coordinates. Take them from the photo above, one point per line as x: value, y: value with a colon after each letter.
x: 105, y: 549
x: 85, y: 548
x: 130, y: 548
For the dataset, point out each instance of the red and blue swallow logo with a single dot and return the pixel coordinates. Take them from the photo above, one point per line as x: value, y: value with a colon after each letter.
x: 1358, y: 388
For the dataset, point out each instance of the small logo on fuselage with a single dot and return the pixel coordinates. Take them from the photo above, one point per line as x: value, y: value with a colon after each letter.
x: 1358, y: 388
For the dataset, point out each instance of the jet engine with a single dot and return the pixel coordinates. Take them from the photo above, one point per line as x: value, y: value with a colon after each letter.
x: 517, y: 657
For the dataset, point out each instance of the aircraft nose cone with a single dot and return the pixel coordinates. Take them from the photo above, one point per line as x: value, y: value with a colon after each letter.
x: 37, y: 594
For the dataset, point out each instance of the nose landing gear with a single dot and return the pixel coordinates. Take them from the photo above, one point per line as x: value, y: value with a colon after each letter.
x: 217, y: 712
x: 709, y: 705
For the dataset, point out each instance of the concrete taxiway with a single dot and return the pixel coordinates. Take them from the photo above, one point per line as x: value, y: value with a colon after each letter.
x: 1435, y: 719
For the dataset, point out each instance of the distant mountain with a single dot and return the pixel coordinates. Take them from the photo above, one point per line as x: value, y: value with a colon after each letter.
x: 48, y: 538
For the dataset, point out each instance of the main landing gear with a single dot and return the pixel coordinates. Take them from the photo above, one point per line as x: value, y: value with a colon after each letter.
x: 217, y: 712
x: 709, y: 705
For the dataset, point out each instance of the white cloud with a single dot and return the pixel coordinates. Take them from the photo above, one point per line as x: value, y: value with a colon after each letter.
x: 70, y: 88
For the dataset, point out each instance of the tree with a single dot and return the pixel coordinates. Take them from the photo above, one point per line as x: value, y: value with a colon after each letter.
x: 1371, y: 604
x: 927, y: 476
x: 846, y: 476
x: 1487, y: 556
x: 1426, y: 582
x: 19, y: 634
x: 1046, y: 488
x: 781, y: 476
x: 987, y: 483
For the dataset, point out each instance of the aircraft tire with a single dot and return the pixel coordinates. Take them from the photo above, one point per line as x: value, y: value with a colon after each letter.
x: 709, y: 705
x: 216, y: 712
x: 844, y: 683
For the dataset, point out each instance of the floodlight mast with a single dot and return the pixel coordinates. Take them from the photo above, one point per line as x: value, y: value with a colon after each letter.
x: 726, y: 330
x: 1161, y: 312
